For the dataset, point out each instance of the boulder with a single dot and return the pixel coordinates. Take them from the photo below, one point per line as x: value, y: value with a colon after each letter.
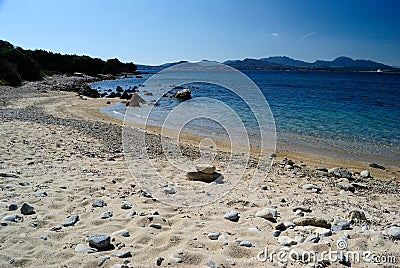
x: 136, y: 100
x: 183, y: 94
x: 87, y: 91
x: 126, y: 96
x: 119, y: 89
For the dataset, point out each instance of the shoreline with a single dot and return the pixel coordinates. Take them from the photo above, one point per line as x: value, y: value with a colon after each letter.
x: 311, y: 156
x: 93, y: 110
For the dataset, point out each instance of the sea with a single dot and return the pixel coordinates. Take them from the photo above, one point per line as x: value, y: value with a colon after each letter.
x: 351, y: 115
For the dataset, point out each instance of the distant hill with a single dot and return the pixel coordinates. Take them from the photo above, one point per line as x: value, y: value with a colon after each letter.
x: 159, y: 67
x: 283, y: 62
x: 286, y: 63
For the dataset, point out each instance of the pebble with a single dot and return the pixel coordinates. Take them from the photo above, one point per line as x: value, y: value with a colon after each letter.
x: 394, y: 232
x: 179, y: 251
x: 312, y: 221
x: 232, y: 215
x: 12, y: 207
x: 245, y: 243
x: 98, y: 203
x: 154, y: 212
x: 231, y: 262
x: 223, y: 240
x: 343, y: 192
x: 40, y: 193
x: 55, y: 228
x: 106, y: 214
x: 299, y: 213
x: 286, y: 241
x: 311, y: 187
x: 340, y: 173
x: 211, y: 264
x: 124, y: 233
x: 365, y: 174
x: 81, y: 248
x: 27, y: 208
x: 340, y: 224
x: 12, y: 218
x: 358, y: 215
x: 322, y: 232
x: 304, y: 209
x: 276, y: 233
x: 169, y: 190
x: 131, y: 214
x: 312, y: 239
x: 267, y: 213
x: 103, y: 260
x: 299, y: 239
x: 213, y: 236
x: 346, y: 186
x: 123, y: 254
x: 120, y: 245
x: 99, y: 241
x: 155, y: 225
x: 265, y: 187
x: 71, y: 220
x: 43, y: 237
x: 374, y: 165
x: 204, y: 177
x: 175, y: 259
x: 126, y: 205
x: 280, y: 226
x: 159, y: 261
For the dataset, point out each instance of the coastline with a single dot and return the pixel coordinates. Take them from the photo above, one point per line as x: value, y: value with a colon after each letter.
x: 92, y: 110
x: 58, y: 143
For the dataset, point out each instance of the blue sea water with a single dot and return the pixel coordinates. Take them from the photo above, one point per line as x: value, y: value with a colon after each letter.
x: 353, y: 114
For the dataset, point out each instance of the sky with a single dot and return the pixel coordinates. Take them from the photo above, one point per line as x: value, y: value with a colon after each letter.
x: 159, y: 31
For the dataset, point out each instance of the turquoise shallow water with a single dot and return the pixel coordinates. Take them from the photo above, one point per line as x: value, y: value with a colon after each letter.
x: 337, y: 113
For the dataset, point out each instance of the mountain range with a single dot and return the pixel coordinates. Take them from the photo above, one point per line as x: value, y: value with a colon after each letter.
x: 285, y: 63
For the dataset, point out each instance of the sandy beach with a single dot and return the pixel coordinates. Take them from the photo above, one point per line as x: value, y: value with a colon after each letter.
x: 64, y: 178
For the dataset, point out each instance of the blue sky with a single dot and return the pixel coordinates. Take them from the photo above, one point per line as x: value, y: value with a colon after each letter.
x: 159, y: 31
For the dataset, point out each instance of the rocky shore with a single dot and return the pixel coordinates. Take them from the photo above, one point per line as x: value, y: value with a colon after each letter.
x: 69, y: 200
